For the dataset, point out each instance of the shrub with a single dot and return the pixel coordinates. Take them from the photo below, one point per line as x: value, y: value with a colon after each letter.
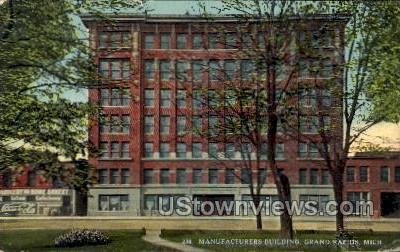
x: 81, y: 238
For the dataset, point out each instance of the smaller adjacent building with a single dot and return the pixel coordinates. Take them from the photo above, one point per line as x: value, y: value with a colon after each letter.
x: 375, y: 177
x: 26, y: 192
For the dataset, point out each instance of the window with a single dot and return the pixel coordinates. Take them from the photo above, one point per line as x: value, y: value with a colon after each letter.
x: 246, y: 150
x: 247, y: 41
x: 149, y: 70
x: 230, y: 41
x: 397, y: 174
x: 119, y: 97
x: 181, y: 125
x: 149, y: 125
x: 325, y: 96
x: 6, y: 179
x: 320, y: 200
x: 363, y: 174
x: 355, y: 198
x: 308, y: 150
x: 308, y: 98
x: 350, y: 174
x: 197, y: 176
x: 196, y: 100
x: 115, y: 150
x: 212, y: 150
x: 115, y: 124
x: 149, y: 41
x: 164, y: 150
x: 181, y: 176
x: 165, y: 101
x: 114, y: 174
x: 149, y: 98
x: 303, y: 176
x: 181, y: 150
x: 104, y: 150
x: 165, y: 73
x: 245, y: 176
x: 324, y: 177
x: 196, y: 125
x: 314, y: 176
x: 164, y: 176
x: 197, y: 68
x: 125, y: 176
x: 148, y: 176
x: 197, y: 41
x: 115, y: 69
x: 113, y: 202
x: 196, y: 150
x: 213, y: 126
x: 309, y: 124
x: 181, y: 70
x: 212, y: 41
x: 114, y: 39
x: 262, y: 176
x: 213, y: 176
x: 148, y: 150
x: 213, y: 70
x: 125, y: 153
x: 385, y: 174
x: 247, y: 68
x: 181, y: 41
x: 165, y: 41
x: 230, y: 176
x: 264, y: 151
x: 229, y: 70
x: 164, y: 124
x: 181, y: 99
x: 102, y: 177
x: 229, y: 150
x: 280, y: 151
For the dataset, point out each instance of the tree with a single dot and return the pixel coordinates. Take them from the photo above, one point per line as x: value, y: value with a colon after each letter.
x: 265, y: 31
x: 43, y: 54
x: 366, y: 69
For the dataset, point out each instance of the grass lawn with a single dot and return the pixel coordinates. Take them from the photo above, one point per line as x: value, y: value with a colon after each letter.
x: 262, y: 240
x: 43, y: 240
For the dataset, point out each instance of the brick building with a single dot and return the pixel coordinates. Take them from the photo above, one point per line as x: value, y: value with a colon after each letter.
x: 144, y: 157
x: 25, y: 191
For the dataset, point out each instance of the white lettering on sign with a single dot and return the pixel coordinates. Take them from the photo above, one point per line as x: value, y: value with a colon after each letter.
x: 57, y: 192
x: 20, y: 207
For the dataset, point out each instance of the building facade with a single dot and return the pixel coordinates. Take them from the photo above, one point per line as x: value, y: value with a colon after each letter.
x: 144, y: 158
x: 27, y: 192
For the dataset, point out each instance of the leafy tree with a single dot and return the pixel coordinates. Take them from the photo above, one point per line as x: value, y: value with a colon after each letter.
x: 43, y: 54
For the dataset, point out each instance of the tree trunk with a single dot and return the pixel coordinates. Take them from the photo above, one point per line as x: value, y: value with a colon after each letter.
x: 259, y: 221
x: 338, y: 191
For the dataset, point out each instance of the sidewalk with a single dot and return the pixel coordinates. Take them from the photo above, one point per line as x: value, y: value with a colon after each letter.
x: 153, y: 236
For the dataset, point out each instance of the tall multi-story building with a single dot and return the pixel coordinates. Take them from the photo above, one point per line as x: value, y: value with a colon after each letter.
x: 144, y: 157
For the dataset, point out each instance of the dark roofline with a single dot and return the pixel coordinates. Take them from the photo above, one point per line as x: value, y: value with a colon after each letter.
x: 168, y: 18
x: 376, y: 155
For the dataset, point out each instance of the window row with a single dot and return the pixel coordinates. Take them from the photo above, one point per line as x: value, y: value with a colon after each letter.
x: 210, y: 176
x: 198, y: 41
x: 314, y: 124
x: 114, y: 202
x: 112, y: 124
x: 362, y: 174
x: 230, y: 69
x: 113, y: 176
x: 115, y: 97
x: 115, y: 69
x: 314, y: 176
x: 114, y: 39
x: 114, y: 150
x: 230, y: 151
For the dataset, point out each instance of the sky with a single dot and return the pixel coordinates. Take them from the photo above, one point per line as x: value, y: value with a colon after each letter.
x: 385, y: 134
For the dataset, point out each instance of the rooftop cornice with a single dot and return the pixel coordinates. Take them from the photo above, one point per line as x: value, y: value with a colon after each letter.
x: 156, y: 18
